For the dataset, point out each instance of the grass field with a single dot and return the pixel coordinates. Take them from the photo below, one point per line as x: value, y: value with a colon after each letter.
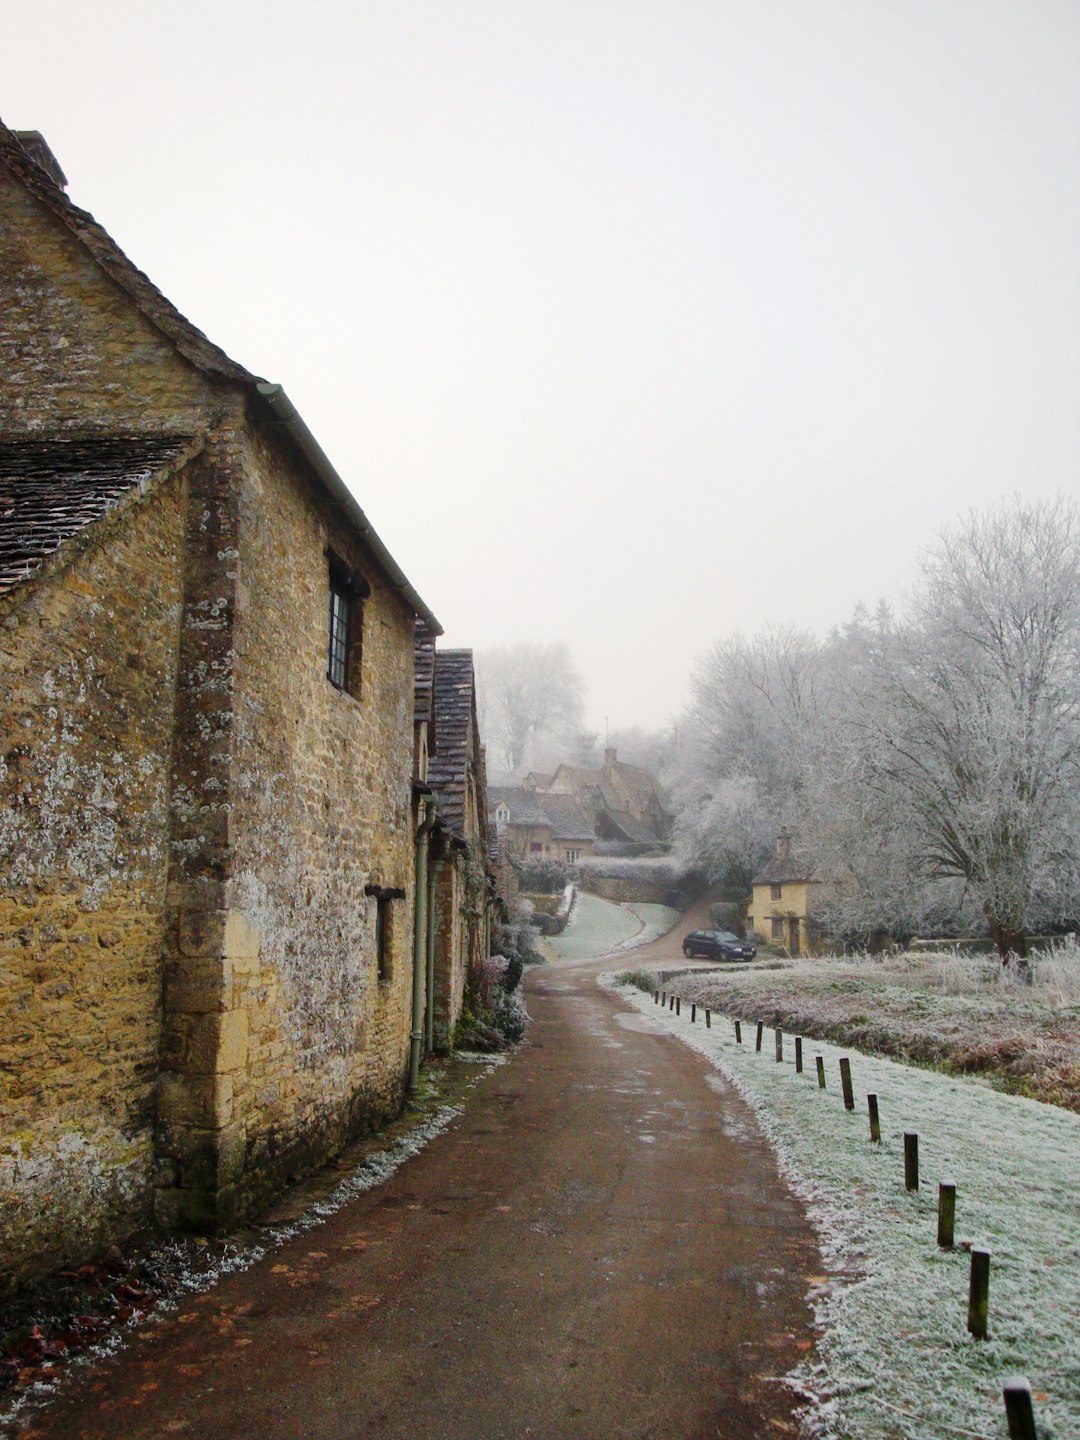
x: 963, y: 1014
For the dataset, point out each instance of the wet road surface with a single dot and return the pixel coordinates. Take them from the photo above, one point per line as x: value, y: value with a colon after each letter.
x: 599, y: 1247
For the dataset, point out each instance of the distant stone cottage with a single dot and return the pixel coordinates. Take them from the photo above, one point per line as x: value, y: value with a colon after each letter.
x: 783, y: 898
x: 208, y: 818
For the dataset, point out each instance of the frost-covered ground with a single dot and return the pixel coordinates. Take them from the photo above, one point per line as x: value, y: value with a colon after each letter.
x: 599, y: 927
x: 960, y: 1011
x: 895, y: 1361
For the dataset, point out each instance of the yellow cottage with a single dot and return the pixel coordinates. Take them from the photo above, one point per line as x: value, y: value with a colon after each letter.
x: 783, y: 895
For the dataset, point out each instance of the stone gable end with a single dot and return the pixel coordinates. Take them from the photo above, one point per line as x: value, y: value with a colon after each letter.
x: 75, y: 353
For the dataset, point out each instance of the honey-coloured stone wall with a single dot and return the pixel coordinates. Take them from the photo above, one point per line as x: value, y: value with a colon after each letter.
x: 87, y: 685
x: 298, y: 1042
x: 74, y: 351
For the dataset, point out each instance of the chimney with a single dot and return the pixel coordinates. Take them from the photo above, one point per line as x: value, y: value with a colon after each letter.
x: 609, y: 757
x: 33, y: 142
x: 783, y: 844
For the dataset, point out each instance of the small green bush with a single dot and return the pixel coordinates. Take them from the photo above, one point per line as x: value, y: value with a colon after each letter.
x: 643, y: 979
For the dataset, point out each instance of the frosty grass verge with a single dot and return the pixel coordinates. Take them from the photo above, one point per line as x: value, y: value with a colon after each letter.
x: 895, y: 1359
x: 370, y: 1172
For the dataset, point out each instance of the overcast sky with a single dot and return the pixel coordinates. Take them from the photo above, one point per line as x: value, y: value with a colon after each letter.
x: 630, y: 324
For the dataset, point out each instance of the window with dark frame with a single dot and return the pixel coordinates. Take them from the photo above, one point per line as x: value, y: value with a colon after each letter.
x: 777, y: 928
x: 775, y: 891
x: 348, y: 590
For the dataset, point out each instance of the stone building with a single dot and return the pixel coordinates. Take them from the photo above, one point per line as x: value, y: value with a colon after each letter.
x: 465, y: 892
x: 624, y: 802
x: 783, y: 897
x: 207, y: 811
x: 540, y: 826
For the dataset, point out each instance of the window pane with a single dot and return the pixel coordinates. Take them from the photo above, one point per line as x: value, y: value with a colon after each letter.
x: 338, y: 660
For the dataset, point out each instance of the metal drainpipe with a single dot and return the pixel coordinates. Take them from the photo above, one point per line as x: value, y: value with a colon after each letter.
x: 436, y: 871
x: 420, y: 930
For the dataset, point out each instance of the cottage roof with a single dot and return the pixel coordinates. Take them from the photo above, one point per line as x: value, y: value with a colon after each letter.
x: 455, y: 724
x: 29, y: 160
x: 631, y: 827
x: 618, y: 793
x: 525, y: 806
x: 567, y: 817
x: 563, y: 815
x: 424, y: 679
x: 52, y: 489
x: 786, y: 866
x: 641, y: 784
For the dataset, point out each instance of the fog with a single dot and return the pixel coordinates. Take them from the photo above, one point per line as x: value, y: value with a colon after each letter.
x: 629, y: 324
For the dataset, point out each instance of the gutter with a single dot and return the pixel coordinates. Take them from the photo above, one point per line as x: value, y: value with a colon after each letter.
x: 286, y: 414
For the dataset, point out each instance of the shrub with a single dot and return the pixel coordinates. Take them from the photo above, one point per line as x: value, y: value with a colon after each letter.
x: 545, y: 877
x: 492, y: 1017
x: 643, y: 979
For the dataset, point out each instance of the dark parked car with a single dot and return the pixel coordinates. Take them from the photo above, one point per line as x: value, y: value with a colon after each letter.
x: 717, y: 945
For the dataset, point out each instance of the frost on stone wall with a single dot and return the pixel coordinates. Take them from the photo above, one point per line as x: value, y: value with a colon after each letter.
x: 318, y: 950
x: 71, y: 1184
x: 70, y: 809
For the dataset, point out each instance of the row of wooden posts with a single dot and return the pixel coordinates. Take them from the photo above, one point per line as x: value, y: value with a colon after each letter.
x: 1019, y: 1411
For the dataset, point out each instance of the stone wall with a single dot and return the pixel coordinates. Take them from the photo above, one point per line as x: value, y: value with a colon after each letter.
x: 295, y: 1041
x: 74, y: 351
x: 88, y: 658
x: 623, y: 891
x: 190, y: 813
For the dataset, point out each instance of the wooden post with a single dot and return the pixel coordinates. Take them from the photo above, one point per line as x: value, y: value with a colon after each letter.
x: 693, y: 1014
x: 663, y: 997
x: 1018, y: 1408
x: 875, y: 1119
x: 798, y: 1054
x: 946, y: 1213
x: 779, y: 1044
x: 678, y: 1004
x: 979, y: 1293
x: 738, y: 1033
x: 656, y: 997
x: 760, y: 1032
x: 671, y: 1003
x: 708, y: 1018
x: 845, y: 1084
x: 820, y: 1072
x: 911, y: 1159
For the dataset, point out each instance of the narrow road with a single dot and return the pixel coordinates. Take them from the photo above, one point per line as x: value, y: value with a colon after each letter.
x: 599, y: 1247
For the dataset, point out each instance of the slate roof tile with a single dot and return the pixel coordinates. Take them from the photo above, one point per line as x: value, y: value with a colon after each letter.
x: 50, y: 490
x: 455, y: 710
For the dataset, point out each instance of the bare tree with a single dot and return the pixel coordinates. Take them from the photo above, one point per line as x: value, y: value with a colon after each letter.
x: 756, y: 707
x: 528, y: 692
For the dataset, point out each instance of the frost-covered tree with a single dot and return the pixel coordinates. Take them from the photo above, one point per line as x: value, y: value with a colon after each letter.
x: 526, y: 693
x: 930, y: 764
x: 756, y: 707
x: 963, y: 728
